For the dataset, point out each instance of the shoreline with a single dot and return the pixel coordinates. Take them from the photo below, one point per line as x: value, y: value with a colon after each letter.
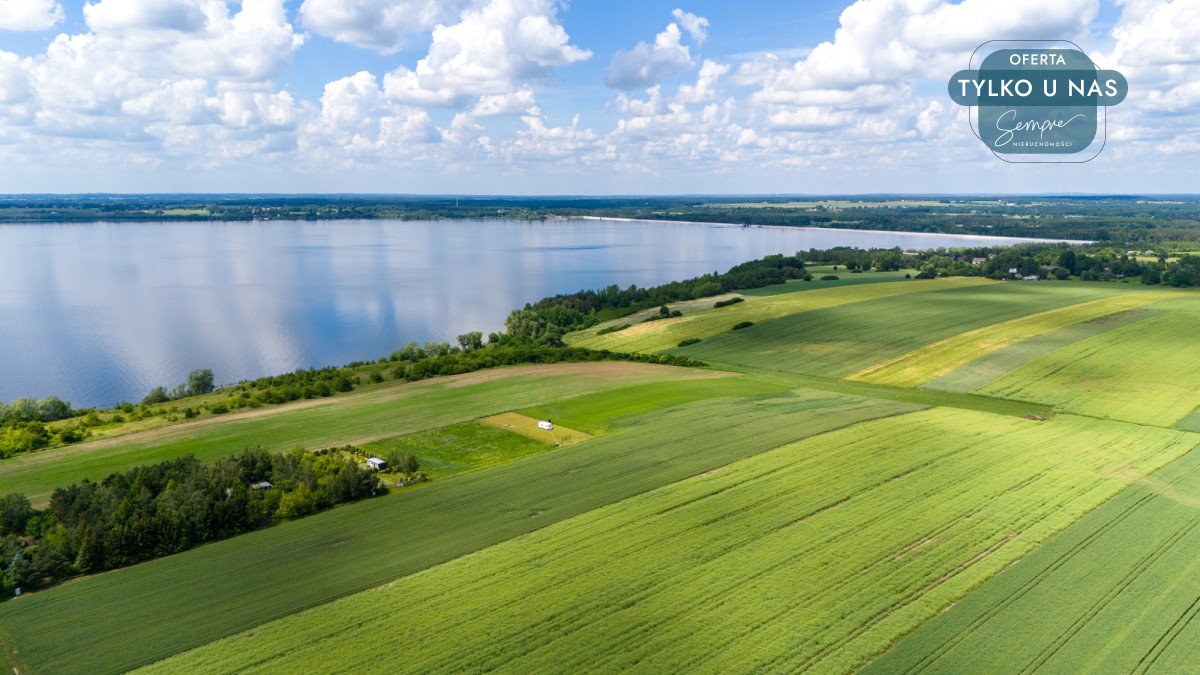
x: 1023, y: 240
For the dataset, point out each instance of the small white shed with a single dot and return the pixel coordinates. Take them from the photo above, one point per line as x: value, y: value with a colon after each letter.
x: 545, y: 424
x: 376, y: 463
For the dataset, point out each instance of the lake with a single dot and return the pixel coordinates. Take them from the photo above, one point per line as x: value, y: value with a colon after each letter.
x: 101, y: 312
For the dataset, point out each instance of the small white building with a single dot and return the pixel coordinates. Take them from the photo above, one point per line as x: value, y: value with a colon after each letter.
x: 1031, y: 277
x: 260, y: 485
x: 546, y: 424
x: 978, y: 261
x: 376, y: 463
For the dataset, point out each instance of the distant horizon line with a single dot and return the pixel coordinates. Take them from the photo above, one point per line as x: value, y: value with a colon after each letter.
x: 451, y: 195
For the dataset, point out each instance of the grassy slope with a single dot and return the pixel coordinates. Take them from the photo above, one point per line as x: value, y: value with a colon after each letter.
x: 453, y: 449
x: 1147, y: 372
x: 1116, y: 592
x: 784, y: 561
x: 840, y: 340
x: 844, y: 279
x: 990, y: 367
x: 355, y: 418
x: 596, y: 413
x: 666, y: 334
x: 939, y: 358
x: 219, y: 589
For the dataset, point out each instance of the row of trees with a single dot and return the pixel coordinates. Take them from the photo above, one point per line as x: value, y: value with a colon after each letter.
x: 545, y: 322
x: 152, y: 511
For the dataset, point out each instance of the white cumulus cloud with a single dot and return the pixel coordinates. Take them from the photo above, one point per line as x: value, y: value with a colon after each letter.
x: 30, y: 14
x: 491, y: 50
x: 381, y: 25
x: 647, y: 64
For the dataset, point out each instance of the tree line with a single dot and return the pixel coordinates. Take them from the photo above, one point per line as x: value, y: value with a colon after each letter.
x: 152, y: 511
x: 546, y: 321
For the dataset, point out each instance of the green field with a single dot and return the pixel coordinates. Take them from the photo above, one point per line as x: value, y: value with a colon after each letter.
x: 1117, y: 592
x: 788, y: 561
x: 456, y: 448
x: 666, y: 334
x: 956, y: 475
x: 841, y: 340
x: 232, y: 585
x: 1146, y: 372
x: 844, y: 279
x: 940, y: 358
x: 393, y: 410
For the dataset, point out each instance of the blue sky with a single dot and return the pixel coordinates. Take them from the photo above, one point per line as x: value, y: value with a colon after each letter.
x: 537, y: 96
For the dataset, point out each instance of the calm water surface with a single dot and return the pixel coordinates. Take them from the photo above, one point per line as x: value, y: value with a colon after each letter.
x: 101, y: 312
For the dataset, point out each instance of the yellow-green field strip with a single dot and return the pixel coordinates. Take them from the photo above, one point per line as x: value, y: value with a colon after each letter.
x: 939, y: 358
x: 667, y: 333
x: 1147, y: 372
x: 786, y: 561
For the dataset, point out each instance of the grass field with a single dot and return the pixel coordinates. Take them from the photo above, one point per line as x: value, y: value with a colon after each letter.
x: 1147, y: 372
x: 599, y: 412
x: 844, y: 279
x: 939, y: 358
x: 841, y: 340
x: 975, y: 374
x: 667, y: 333
x: 784, y: 561
x: 528, y: 426
x: 1117, y: 592
x: 355, y: 418
x: 461, y: 447
x: 233, y: 585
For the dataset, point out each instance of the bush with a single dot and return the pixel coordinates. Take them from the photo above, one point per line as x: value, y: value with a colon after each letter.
x: 725, y: 303
x: 829, y: 277
x: 612, y: 329
x: 688, y: 342
x: 219, y: 409
x: 743, y: 324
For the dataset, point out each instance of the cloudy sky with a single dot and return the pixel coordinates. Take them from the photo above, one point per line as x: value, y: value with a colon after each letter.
x: 585, y: 97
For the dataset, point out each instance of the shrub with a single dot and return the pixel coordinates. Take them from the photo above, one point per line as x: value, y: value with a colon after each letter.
x: 829, y: 277
x: 612, y: 329
x: 725, y: 303
x: 743, y: 324
x: 689, y: 342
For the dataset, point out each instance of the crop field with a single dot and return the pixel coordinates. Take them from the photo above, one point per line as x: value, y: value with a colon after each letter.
x: 844, y: 279
x: 599, y: 412
x: 973, y: 375
x: 935, y: 360
x: 1147, y: 372
x: 355, y: 418
x: 1117, y: 592
x: 842, y: 340
x: 784, y: 561
x: 233, y: 585
x: 667, y: 333
x: 456, y: 448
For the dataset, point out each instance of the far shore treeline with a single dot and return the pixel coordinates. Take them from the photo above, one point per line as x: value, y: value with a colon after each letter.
x: 1117, y: 218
